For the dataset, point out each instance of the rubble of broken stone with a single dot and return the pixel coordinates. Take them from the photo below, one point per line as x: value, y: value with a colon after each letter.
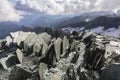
x: 85, y: 56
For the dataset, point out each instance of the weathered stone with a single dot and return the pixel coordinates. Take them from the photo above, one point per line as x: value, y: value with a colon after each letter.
x: 28, y: 61
x: 55, y: 74
x: 46, y: 38
x: 75, y: 58
x: 9, y: 61
x: 2, y: 45
x: 88, y: 75
x: 29, y: 42
x: 50, y: 57
x: 34, y: 42
x: 50, y: 31
x: 20, y: 55
x: 44, y: 49
x: 1, y: 66
x: 55, y: 32
x: 4, y: 74
x: 58, y: 47
x: 87, y: 37
x: 9, y: 41
x: 111, y: 73
x: 41, y: 43
x: 75, y: 33
x: 94, y: 55
x: 59, y: 33
x: 77, y: 47
x: 19, y: 36
x: 19, y: 74
x: 70, y: 74
x: 42, y: 69
x: 72, y: 45
x: 86, y: 57
x: 112, y: 54
x: 65, y: 44
x: 36, y: 48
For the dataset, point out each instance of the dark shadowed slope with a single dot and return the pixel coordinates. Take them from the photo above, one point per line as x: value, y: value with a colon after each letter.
x: 106, y: 22
x: 6, y: 28
x: 31, y: 29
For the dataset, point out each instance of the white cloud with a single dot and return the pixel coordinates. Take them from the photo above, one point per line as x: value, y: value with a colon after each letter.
x: 7, y: 12
x: 66, y: 6
x: 113, y: 5
x: 12, y: 12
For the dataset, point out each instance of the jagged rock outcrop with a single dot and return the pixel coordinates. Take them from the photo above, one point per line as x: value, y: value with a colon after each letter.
x: 55, y: 32
x: 58, y: 47
x: 33, y: 42
x: 19, y: 74
x: 86, y: 56
x: 42, y: 69
x: 2, y: 45
x: 65, y: 44
x: 20, y: 55
x: 8, y: 59
x: 111, y: 73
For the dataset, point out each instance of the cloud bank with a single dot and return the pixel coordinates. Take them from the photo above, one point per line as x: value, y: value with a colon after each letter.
x: 7, y: 12
x: 67, y: 6
x: 12, y: 10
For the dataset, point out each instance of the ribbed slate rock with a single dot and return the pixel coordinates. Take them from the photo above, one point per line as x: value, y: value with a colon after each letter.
x: 42, y: 69
x: 58, y: 47
x: 19, y: 74
x: 20, y: 55
x: 54, y: 56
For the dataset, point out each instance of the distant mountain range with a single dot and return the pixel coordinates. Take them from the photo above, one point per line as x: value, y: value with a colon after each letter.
x: 105, y: 21
x: 107, y: 25
x: 36, y: 29
x: 49, y: 20
x: 33, y: 20
x: 86, y: 21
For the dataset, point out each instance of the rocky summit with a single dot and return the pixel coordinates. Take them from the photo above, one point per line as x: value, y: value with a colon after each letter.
x: 80, y: 56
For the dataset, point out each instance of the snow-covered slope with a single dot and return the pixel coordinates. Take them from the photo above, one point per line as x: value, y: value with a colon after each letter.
x: 100, y: 29
x: 112, y: 32
x: 109, y: 32
x: 107, y: 24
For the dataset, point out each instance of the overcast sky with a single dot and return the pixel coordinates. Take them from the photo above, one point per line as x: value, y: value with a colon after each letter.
x: 12, y: 10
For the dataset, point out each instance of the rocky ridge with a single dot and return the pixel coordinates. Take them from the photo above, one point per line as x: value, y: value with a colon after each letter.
x: 81, y: 56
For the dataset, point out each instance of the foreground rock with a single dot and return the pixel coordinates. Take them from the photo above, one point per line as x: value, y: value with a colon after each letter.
x: 85, y: 56
x: 20, y: 55
x: 111, y: 73
x: 58, y: 48
x: 8, y: 60
x: 19, y: 74
x: 42, y: 69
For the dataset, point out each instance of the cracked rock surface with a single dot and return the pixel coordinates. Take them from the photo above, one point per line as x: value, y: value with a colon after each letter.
x: 85, y: 56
